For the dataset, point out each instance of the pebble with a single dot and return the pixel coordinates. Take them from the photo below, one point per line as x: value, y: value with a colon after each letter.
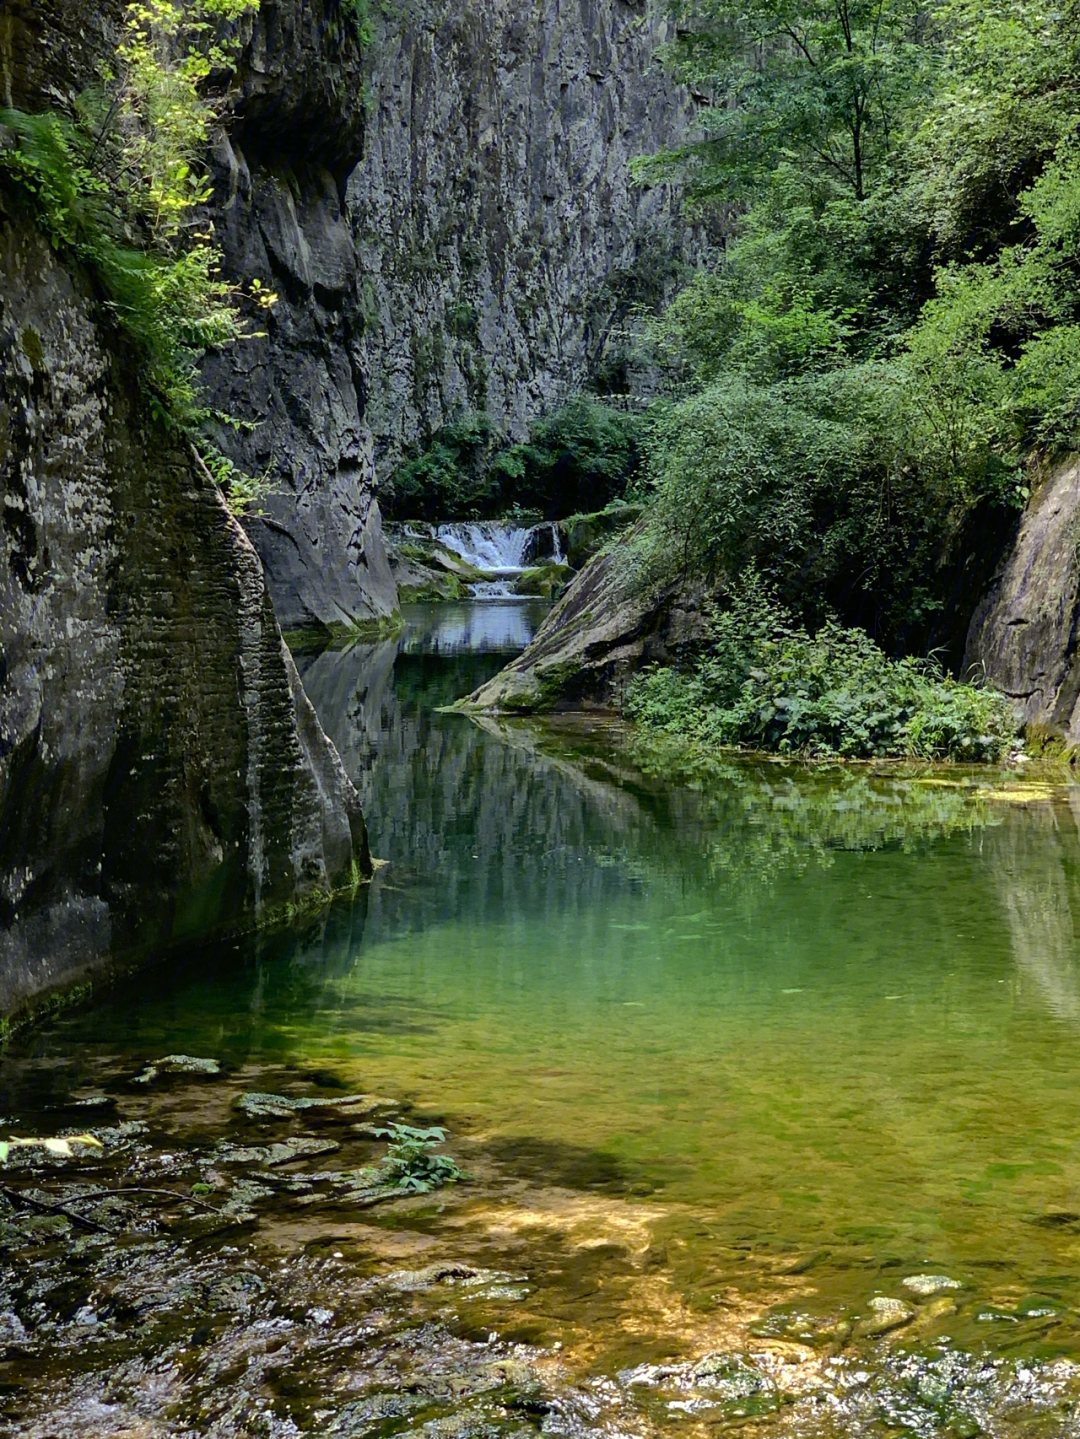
x: 926, y: 1284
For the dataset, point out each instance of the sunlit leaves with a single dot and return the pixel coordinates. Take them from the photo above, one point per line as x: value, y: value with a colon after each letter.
x: 123, y: 185
x: 59, y: 1147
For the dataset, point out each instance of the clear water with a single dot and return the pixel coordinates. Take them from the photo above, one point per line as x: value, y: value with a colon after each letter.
x: 794, y: 1036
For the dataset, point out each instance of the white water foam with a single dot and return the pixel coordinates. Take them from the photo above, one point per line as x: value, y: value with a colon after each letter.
x: 498, y: 551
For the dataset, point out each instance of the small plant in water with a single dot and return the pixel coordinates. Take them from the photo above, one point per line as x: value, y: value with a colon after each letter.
x: 409, y: 1162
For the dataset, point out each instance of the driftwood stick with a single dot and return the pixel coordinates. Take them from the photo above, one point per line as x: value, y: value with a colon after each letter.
x: 17, y: 1197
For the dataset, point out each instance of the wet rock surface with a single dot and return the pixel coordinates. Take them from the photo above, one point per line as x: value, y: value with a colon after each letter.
x: 176, y: 1282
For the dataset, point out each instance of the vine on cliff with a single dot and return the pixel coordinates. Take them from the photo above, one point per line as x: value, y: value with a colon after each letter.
x: 121, y: 184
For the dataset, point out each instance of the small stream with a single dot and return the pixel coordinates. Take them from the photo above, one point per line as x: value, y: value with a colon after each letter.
x: 768, y: 1091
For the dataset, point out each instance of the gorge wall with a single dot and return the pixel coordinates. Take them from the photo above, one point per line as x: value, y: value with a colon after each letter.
x: 1025, y: 633
x: 470, y: 240
x: 281, y: 166
x: 162, y: 773
x: 503, y: 241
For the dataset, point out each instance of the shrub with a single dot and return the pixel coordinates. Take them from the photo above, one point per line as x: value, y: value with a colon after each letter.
x: 451, y: 478
x: 120, y: 182
x: 576, y: 459
x: 766, y: 683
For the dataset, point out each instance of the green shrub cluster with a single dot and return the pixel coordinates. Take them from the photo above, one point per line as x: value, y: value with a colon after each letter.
x: 577, y: 459
x: 766, y: 683
x: 892, y: 336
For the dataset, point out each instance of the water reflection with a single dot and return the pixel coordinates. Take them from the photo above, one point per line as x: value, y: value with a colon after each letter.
x: 1034, y: 857
x: 522, y: 818
x: 819, y: 1013
x: 494, y: 627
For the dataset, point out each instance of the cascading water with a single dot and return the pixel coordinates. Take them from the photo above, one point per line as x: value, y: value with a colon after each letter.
x: 501, y: 552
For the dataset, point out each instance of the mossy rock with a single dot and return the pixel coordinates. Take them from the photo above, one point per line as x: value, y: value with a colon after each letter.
x: 543, y: 581
x: 550, y: 687
x: 313, y: 639
x: 438, y: 592
x: 583, y: 535
x: 1043, y: 742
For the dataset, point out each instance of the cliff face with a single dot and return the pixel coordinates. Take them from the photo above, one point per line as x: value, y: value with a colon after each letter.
x: 474, y: 245
x: 281, y: 166
x: 503, y: 241
x: 162, y: 774
x: 1024, y: 635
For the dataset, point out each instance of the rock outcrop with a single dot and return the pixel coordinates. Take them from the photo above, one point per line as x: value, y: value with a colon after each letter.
x: 162, y: 774
x: 1024, y: 634
x: 503, y: 239
x: 605, y: 627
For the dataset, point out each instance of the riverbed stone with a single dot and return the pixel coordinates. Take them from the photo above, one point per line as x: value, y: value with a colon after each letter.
x: 886, y: 1314
x: 927, y: 1284
x: 177, y: 1064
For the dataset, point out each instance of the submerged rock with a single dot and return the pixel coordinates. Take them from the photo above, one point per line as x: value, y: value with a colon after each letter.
x: 177, y: 1064
x: 282, y: 1106
x: 887, y: 1314
x: 926, y: 1284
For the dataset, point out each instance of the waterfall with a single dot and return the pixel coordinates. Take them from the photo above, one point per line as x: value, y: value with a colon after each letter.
x: 499, y: 551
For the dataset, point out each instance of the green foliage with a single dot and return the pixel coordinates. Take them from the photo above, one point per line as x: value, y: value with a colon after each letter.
x: 409, y: 1162
x: 578, y: 458
x: 813, y: 481
x: 893, y: 332
x: 451, y: 477
x: 766, y: 683
x: 1006, y: 95
x: 120, y: 183
x: 244, y: 494
x: 358, y: 15
x: 816, y: 84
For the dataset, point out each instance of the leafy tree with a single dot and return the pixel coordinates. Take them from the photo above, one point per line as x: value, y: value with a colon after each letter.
x: 578, y: 458
x: 823, y: 86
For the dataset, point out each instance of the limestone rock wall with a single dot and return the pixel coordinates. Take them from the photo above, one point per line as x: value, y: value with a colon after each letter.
x: 162, y: 774
x: 295, y: 135
x: 472, y: 240
x: 503, y: 241
x: 1024, y: 634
